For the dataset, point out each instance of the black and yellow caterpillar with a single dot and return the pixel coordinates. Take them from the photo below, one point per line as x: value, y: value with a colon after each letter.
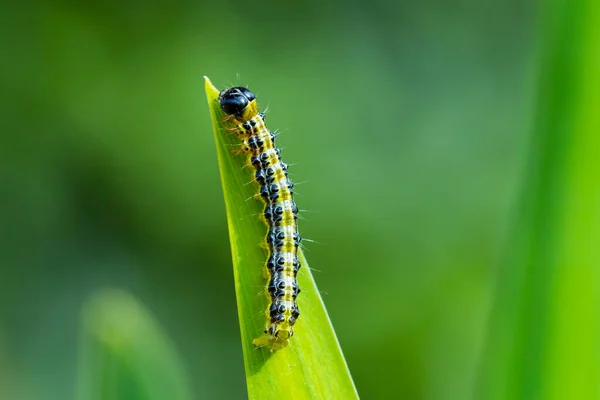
x: 280, y: 214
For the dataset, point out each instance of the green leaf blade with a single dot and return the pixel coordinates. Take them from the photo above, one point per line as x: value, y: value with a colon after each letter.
x: 312, y: 366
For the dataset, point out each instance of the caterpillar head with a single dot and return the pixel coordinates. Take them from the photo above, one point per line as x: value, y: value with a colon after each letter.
x: 235, y: 100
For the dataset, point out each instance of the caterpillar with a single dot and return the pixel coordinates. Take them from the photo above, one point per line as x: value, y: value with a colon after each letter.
x: 280, y: 213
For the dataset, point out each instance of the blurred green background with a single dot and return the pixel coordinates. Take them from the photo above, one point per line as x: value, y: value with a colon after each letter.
x: 406, y: 122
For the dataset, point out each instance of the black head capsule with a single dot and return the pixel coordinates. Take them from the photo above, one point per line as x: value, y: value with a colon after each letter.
x: 235, y: 100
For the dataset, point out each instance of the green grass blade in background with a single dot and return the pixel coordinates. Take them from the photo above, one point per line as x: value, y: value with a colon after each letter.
x: 124, y: 354
x: 544, y: 331
x: 312, y: 366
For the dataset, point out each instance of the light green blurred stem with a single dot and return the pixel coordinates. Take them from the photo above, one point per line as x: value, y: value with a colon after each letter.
x: 124, y: 354
x: 544, y: 330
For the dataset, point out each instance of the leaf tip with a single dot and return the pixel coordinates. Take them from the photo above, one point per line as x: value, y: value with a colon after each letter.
x: 211, y: 91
